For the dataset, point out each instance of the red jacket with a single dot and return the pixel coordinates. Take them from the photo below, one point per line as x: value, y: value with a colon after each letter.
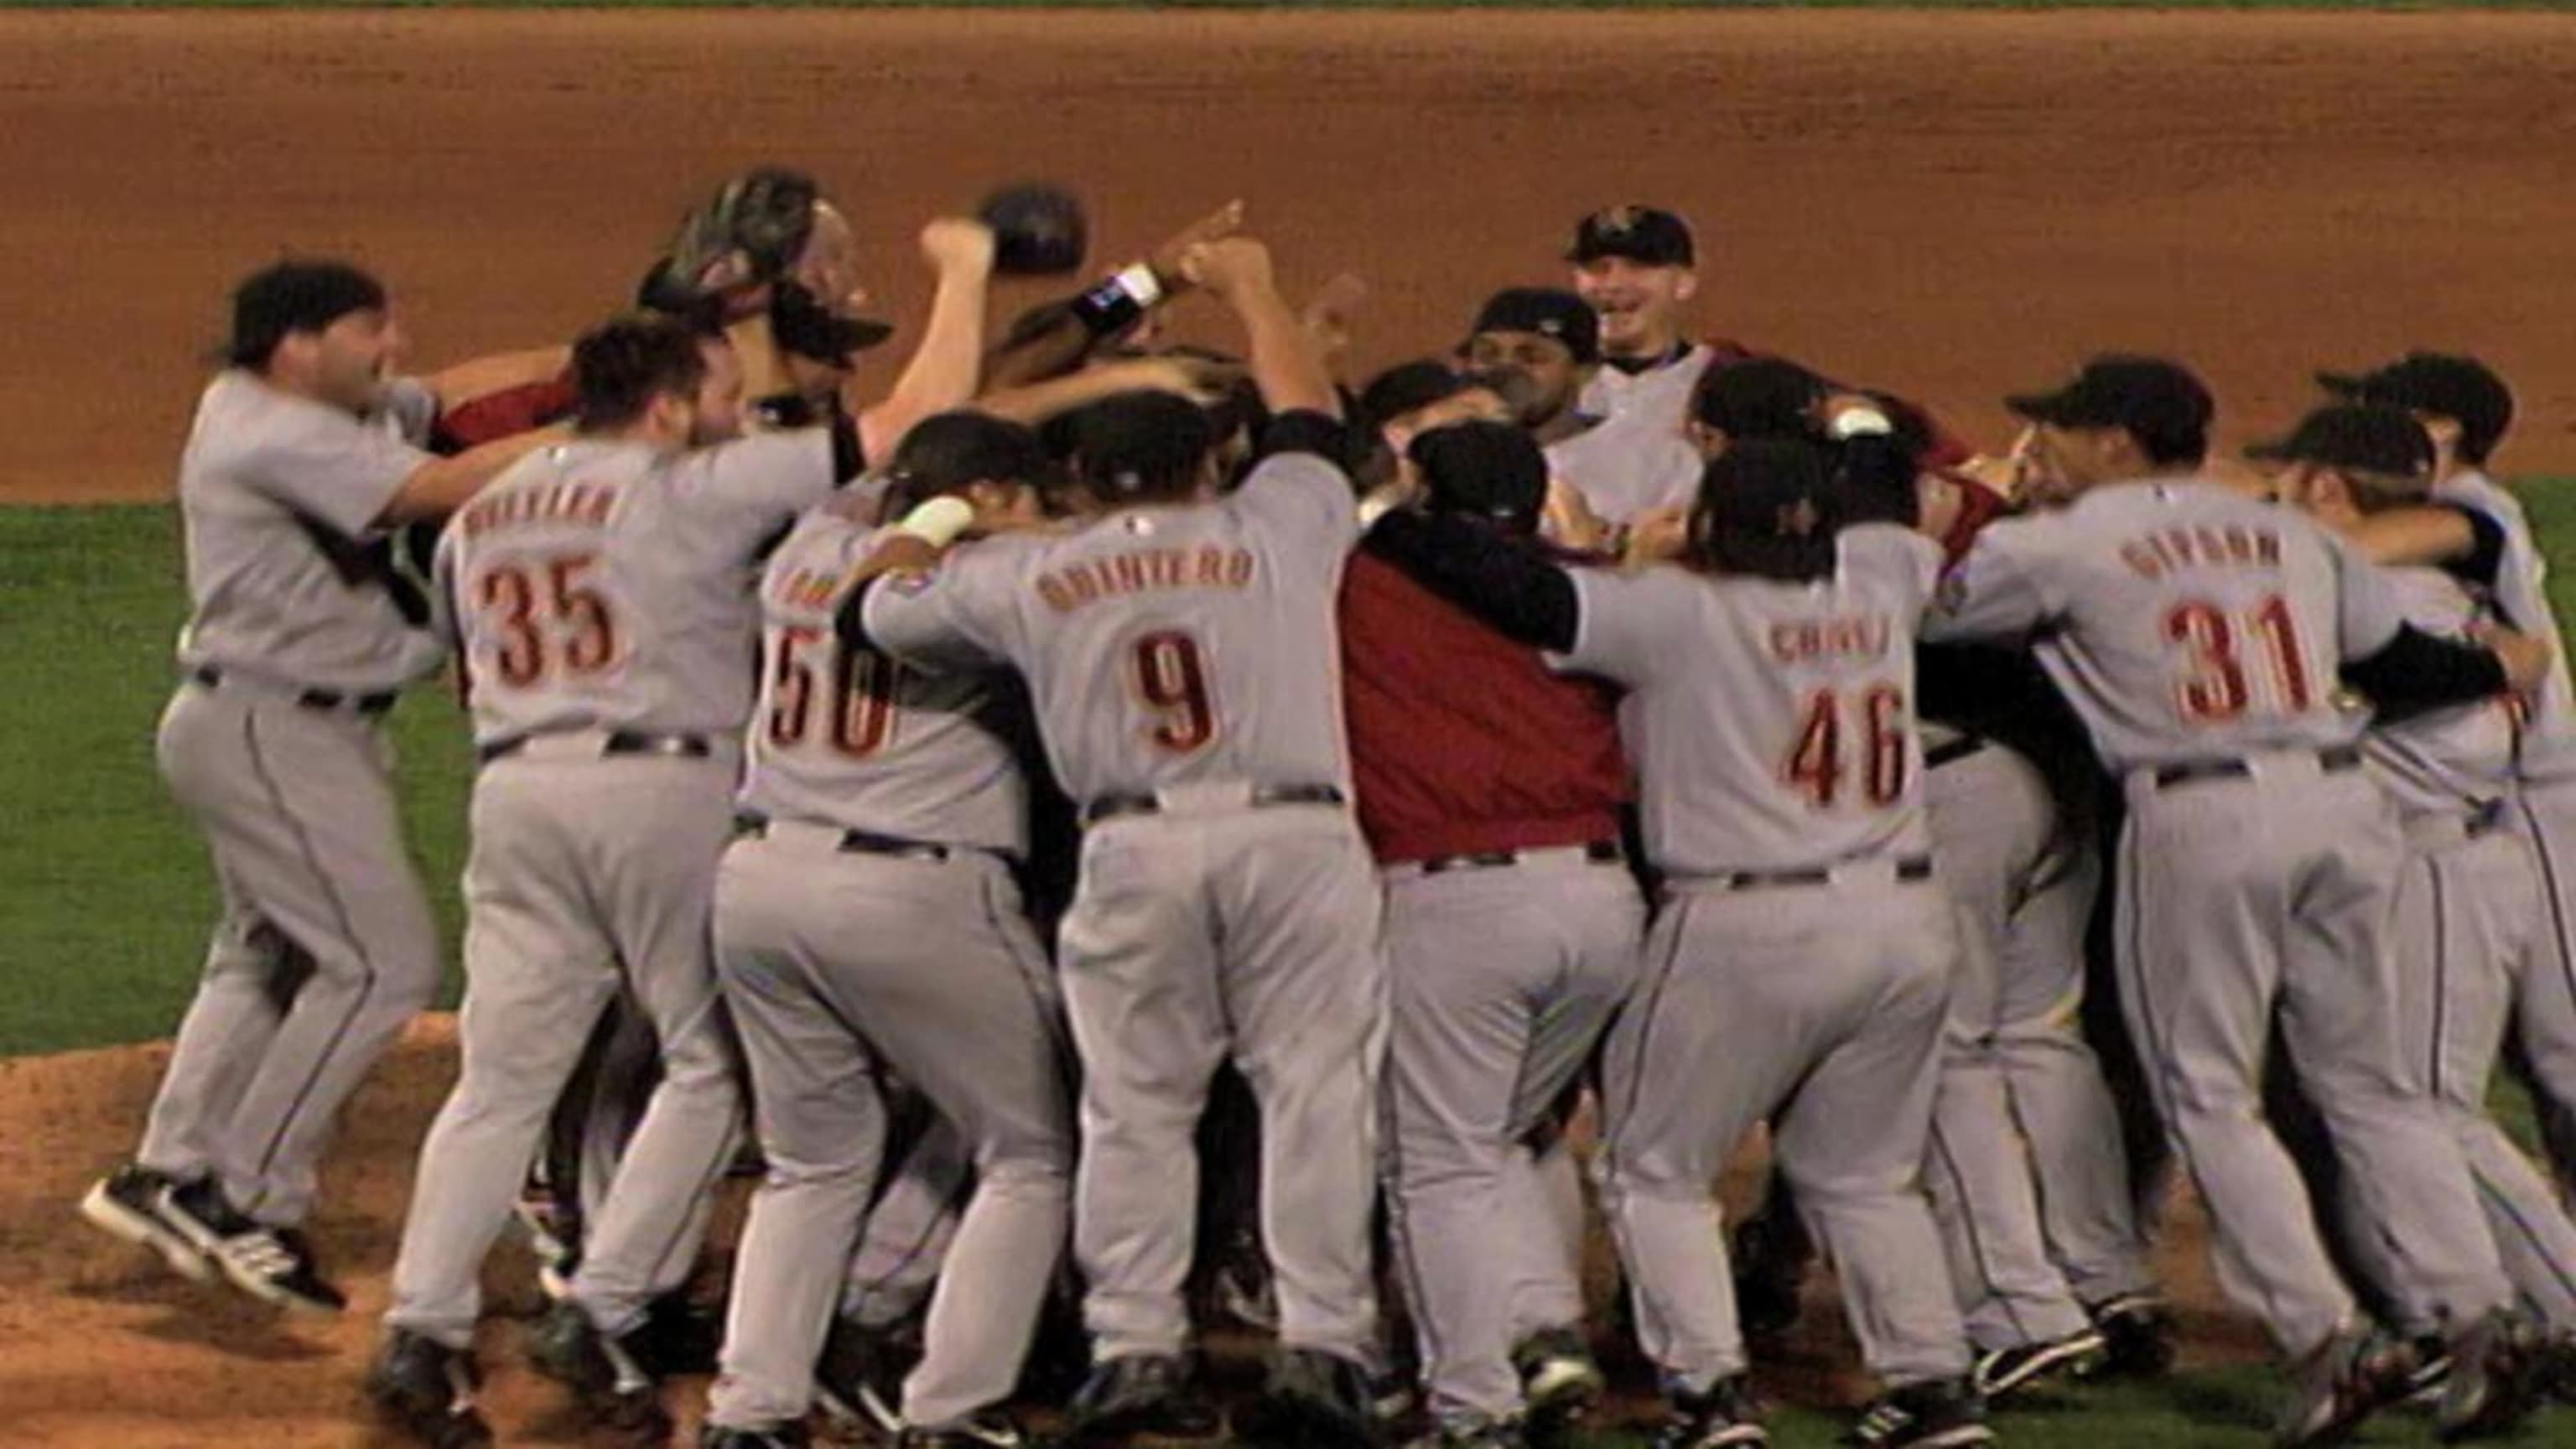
x: 1462, y: 741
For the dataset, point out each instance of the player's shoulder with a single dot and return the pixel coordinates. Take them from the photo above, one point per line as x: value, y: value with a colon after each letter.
x: 1888, y: 545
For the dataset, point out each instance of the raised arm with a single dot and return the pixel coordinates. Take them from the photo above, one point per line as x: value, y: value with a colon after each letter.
x: 1285, y: 365
x: 482, y: 376
x: 441, y: 486
x: 1056, y: 337
x: 944, y: 367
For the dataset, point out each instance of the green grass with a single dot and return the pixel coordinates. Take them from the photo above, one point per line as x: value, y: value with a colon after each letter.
x: 2379, y: 5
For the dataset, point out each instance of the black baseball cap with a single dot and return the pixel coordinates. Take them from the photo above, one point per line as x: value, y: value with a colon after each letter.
x: 1487, y: 470
x: 2161, y: 404
x: 1761, y: 397
x: 1409, y: 387
x: 1643, y: 234
x: 1769, y: 507
x: 2356, y: 436
x: 1133, y: 446
x: 1546, y: 311
x: 953, y: 449
x: 802, y: 325
x: 2448, y: 385
x: 295, y: 296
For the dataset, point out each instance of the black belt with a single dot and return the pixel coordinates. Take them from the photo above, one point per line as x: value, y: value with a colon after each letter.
x: 868, y: 842
x: 324, y: 699
x: 1908, y: 868
x: 1109, y: 807
x: 2333, y: 761
x: 618, y: 742
x: 1958, y: 749
x: 1599, y: 852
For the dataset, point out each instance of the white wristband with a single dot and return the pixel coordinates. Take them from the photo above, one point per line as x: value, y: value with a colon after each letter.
x: 1859, y: 423
x: 939, y: 521
x: 1139, y: 282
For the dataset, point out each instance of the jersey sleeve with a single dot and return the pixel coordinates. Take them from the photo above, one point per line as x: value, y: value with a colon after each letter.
x: 327, y: 466
x: 959, y: 615
x: 1894, y: 551
x: 2368, y: 612
x: 1615, y: 616
x: 1304, y: 496
x: 414, y: 408
x: 754, y: 486
x: 1997, y: 590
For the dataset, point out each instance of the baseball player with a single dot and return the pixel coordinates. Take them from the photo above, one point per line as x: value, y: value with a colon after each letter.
x: 1541, y: 346
x: 870, y: 915
x: 597, y: 590
x: 305, y: 452
x: 1181, y: 654
x: 2468, y: 904
x: 1636, y: 267
x: 2199, y: 634
x: 1801, y: 962
x: 1491, y: 790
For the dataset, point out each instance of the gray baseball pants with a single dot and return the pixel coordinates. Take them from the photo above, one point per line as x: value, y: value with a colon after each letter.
x: 908, y: 1233
x: 324, y: 951
x: 1218, y: 928
x: 1502, y: 980
x: 1820, y: 1008
x: 2267, y: 892
x: 837, y: 965
x: 584, y: 871
x: 2545, y: 976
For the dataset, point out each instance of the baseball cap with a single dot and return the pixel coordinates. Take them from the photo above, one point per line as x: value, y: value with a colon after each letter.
x: 1646, y: 235
x: 953, y: 449
x: 2159, y: 402
x: 294, y: 296
x: 1546, y: 311
x: 1409, y: 387
x: 1138, y: 445
x: 2356, y: 436
x: 1762, y: 397
x: 2460, y: 388
x: 804, y: 326
x: 1769, y: 507
x: 1486, y: 470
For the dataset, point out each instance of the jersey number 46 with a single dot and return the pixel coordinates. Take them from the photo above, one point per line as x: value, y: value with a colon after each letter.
x: 1850, y: 739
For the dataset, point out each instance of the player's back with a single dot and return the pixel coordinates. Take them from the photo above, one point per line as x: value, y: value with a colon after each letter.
x: 603, y: 585
x: 858, y: 741
x: 1772, y: 722
x: 2193, y: 623
x: 1192, y: 643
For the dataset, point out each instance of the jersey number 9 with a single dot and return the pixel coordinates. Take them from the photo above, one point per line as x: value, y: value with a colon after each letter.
x: 1168, y: 673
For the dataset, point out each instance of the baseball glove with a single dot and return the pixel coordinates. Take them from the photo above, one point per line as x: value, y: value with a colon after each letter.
x: 746, y: 236
x: 1038, y: 230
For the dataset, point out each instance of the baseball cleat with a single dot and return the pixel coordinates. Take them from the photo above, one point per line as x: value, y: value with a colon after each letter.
x: 1148, y: 1393
x: 127, y: 1203
x: 2007, y: 1370
x: 274, y: 1265
x: 1726, y: 1417
x: 606, y: 1379
x: 858, y: 1379
x: 775, y: 1436
x: 1768, y: 1281
x: 426, y: 1390
x: 2339, y: 1384
x: 990, y: 1429
x: 1943, y: 1414
x: 1560, y: 1383
x: 2137, y: 1336
x: 2495, y: 1378
x: 1312, y: 1400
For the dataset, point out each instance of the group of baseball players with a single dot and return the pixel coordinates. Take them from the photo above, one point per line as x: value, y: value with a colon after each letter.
x: 1528, y: 776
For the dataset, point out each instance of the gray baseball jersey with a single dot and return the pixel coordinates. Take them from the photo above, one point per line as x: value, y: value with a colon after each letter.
x: 2191, y: 622
x: 2521, y: 600
x: 274, y: 598
x: 603, y: 585
x: 1164, y: 645
x: 1659, y: 397
x: 1808, y: 754
x: 2447, y: 761
x: 861, y: 741
x: 1626, y: 466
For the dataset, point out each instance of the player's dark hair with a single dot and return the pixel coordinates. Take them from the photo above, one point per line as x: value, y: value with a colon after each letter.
x: 947, y: 452
x: 1139, y: 447
x: 2171, y: 444
x: 621, y: 365
x: 1768, y: 509
x: 294, y: 296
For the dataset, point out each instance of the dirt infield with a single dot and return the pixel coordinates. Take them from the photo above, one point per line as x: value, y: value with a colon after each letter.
x: 1950, y: 204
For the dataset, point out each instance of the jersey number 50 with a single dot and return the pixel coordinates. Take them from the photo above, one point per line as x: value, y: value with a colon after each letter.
x: 859, y: 708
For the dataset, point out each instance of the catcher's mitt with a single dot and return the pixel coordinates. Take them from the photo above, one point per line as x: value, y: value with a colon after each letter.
x: 1038, y: 230
x: 747, y: 235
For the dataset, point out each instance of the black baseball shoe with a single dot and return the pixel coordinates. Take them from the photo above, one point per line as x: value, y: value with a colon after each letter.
x: 1768, y: 1281
x: 989, y: 1429
x: 1560, y: 1384
x: 2339, y: 1384
x: 273, y: 1265
x: 1312, y: 1400
x: 426, y: 1390
x: 1726, y: 1417
x: 1942, y: 1414
x: 2006, y: 1371
x: 775, y: 1436
x: 1146, y: 1393
x: 127, y: 1203
x: 2137, y: 1336
x: 858, y: 1379
x: 2495, y: 1382
x: 679, y: 1336
x: 610, y: 1384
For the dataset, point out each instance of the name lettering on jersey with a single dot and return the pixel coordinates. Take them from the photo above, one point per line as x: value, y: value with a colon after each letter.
x: 582, y: 503
x: 1855, y: 636
x: 804, y: 588
x: 2200, y: 546
x: 1145, y: 570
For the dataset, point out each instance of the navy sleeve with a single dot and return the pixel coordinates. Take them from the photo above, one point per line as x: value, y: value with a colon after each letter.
x: 2415, y: 672
x: 1508, y: 582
